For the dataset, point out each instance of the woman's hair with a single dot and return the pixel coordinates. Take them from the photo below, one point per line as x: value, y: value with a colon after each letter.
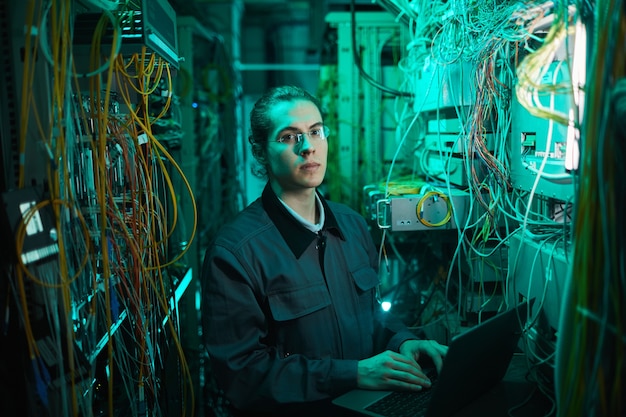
x: 261, y: 124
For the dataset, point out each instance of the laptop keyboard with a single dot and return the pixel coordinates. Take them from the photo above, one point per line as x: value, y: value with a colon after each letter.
x: 404, y: 403
x: 401, y: 404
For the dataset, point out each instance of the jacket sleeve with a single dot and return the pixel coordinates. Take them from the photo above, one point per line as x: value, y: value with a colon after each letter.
x: 245, y: 364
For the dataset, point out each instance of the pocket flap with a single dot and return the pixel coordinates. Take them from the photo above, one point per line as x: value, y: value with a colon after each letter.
x: 365, y: 278
x: 298, y: 302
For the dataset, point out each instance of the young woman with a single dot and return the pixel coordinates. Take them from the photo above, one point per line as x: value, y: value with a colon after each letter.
x: 290, y: 313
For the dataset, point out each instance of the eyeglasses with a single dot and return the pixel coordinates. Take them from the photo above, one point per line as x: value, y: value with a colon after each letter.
x: 317, y: 134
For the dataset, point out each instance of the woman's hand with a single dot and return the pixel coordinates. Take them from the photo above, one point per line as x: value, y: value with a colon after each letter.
x: 413, y: 349
x: 391, y: 371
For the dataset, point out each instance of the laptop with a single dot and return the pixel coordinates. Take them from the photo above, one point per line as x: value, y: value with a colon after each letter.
x: 476, y: 361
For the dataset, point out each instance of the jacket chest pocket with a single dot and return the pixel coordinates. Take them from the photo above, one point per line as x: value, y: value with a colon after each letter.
x: 366, y: 282
x: 301, y: 317
x: 365, y: 279
x: 295, y: 303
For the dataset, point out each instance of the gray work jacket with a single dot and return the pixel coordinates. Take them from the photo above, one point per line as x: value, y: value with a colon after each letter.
x: 287, y: 312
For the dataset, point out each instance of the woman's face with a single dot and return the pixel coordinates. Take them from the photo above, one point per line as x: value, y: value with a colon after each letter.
x: 296, y: 166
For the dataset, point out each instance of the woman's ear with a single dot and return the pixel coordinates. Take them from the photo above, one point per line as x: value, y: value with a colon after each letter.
x: 259, y: 152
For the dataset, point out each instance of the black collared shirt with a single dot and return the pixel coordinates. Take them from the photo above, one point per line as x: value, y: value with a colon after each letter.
x: 297, y: 237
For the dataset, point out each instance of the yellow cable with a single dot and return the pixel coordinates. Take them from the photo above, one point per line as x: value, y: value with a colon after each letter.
x: 432, y: 195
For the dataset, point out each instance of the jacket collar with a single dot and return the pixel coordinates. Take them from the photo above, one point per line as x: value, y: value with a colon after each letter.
x: 297, y: 237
